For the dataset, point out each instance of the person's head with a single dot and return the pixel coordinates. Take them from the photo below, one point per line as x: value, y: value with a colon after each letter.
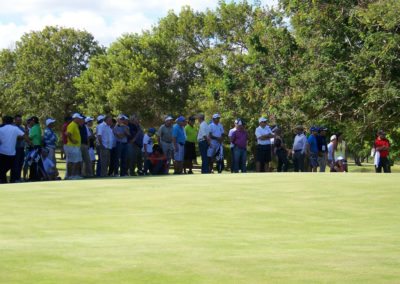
x: 168, y: 121
x: 262, y: 121
x: 381, y: 134
x: 77, y: 118
x: 277, y: 131
x: 239, y: 124
x: 100, y: 118
x: 314, y: 130
x: 216, y: 118
x: 89, y: 121
x: 191, y: 120
x: 200, y: 117
x: 29, y: 122
x: 299, y: 129
x: 333, y: 139
x: 50, y: 122
x: 35, y: 120
x: 181, y: 121
x: 8, y: 119
x: 339, y: 161
x: 122, y: 119
x: 322, y: 131
x: 151, y: 131
x: 108, y: 120
x: 18, y: 119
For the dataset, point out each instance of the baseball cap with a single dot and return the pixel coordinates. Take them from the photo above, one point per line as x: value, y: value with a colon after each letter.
x: 122, y: 116
x: 333, y: 137
x: 216, y: 115
x: 168, y: 118
x: 181, y: 119
x: 77, y: 115
x: 239, y: 121
x: 88, y: 119
x: 322, y: 128
x: 262, y: 119
x: 340, y: 158
x: 49, y: 120
x: 152, y: 130
x: 313, y: 128
x: 101, y: 117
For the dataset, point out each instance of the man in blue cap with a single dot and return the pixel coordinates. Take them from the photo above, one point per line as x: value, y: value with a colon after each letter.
x: 178, y: 140
x: 312, y: 149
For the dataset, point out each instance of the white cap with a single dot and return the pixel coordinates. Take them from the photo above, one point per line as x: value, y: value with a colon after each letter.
x: 122, y: 116
x: 88, y: 119
x: 216, y: 115
x: 101, y: 117
x: 49, y: 120
x: 340, y: 158
x: 262, y: 119
x: 168, y: 118
x: 333, y: 137
x: 77, y: 115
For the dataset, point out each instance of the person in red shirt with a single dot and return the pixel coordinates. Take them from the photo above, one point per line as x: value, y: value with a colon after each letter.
x: 382, y: 146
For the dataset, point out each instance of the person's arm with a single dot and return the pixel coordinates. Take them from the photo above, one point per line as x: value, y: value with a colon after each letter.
x: 305, y: 145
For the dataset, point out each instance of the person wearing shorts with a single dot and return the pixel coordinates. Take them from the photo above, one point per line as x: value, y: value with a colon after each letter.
x: 73, y: 147
x: 216, y: 135
x: 264, y: 149
x: 179, y: 139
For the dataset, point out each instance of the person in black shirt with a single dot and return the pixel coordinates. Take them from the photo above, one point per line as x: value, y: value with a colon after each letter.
x: 322, y: 149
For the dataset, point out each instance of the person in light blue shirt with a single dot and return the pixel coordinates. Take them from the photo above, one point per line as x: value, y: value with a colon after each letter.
x: 179, y: 139
x: 312, y: 149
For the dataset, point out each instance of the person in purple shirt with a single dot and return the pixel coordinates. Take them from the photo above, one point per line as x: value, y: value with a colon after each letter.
x: 239, y: 139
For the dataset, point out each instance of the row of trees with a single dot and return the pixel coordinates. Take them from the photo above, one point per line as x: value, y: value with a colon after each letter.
x: 330, y: 62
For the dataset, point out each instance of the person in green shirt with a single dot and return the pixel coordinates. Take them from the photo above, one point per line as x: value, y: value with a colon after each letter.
x: 190, y: 145
x: 35, y: 133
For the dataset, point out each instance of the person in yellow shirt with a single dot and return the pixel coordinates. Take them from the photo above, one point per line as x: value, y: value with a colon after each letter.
x: 73, y: 147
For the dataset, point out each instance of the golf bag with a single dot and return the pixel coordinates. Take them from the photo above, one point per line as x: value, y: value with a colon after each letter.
x: 33, y: 162
x: 219, y: 158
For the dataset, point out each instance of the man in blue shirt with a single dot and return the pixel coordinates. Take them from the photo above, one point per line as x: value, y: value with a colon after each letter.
x: 312, y: 149
x: 179, y: 139
x: 322, y: 149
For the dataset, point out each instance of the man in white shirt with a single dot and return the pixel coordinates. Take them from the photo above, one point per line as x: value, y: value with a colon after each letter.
x: 8, y: 139
x: 203, y: 140
x: 216, y: 136
x: 105, y: 137
x: 264, y: 149
x: 299, y: 149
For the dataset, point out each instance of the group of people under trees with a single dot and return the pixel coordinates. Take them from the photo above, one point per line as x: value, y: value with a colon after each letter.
x: 123, y: 148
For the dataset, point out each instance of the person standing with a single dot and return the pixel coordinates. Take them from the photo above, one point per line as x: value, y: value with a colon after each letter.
x: 239, y: 140
x: 148, y: 147
x: 73, y: 147
x: 91, y: 141
x: 382, y: 148
x: 299, y: 149
x: 105, y: 138
x: 331, y: 151
x: 121, y: 133
x: 322, y: 149
x: 135, y: 144
x: 100, y: 124
x: 164, y: 135
x: 178, y: 140
x: 264, y: 149
x: 9, y: 134
x: 35, y: 133
x: 231, y: 145
x: 19, y: 152
x: 280, y: 151
x: 113, y: 166
x: 312, y: 149
x: 203, y: 141
x: 190, y: 144
x: 216, y: 136
x: 50, y: 140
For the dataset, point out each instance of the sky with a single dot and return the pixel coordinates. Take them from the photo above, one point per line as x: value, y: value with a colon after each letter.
x: 105, y: 19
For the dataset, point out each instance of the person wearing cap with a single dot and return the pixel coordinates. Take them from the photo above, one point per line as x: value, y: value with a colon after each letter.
x: 19, y: 152
x: 382, y: 148
x: 299, y: 149
x: 190, y: 145
x: 231, y: 145
x: 86, y: 169
x: 322, y: 149
x: 264, y: 149
x: 341, y: 149
x: 121, y: 133
x: 148, y: 146
x: 113, y: 167
x: 100, y: 119
x: 239, y: 140
x: 216, y: 136
x: 312, y: 149
x: 9, y: 134
x: 105, y: 139
x: 203, y: 141
x: 73, y: 147
x: 164, y: 136
x: 35, y: 133
x: 50, y: 139
x: 331, y: 151
x: 339, y: 166
x: 178, y: 140
x: 49, y: 168
x: 280, y: 150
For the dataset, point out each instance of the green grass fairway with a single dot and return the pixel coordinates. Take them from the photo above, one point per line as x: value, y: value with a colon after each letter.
x: 253, y: 228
